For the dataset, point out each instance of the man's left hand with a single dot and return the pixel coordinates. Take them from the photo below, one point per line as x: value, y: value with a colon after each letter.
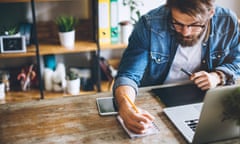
x: 205, y: 80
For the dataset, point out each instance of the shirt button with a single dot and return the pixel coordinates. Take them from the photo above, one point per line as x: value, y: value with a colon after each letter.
x: 158, y: 60
x: 204, y: 61
x: 219, y: 56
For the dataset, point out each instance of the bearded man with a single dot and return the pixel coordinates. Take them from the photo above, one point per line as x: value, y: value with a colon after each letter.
x: 195, y: 35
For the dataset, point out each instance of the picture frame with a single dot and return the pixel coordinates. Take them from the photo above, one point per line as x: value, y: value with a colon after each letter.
x: 12, y: 44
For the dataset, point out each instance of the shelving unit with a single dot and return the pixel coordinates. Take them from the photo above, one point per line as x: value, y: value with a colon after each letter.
x: 34, y: 51
x: 41, y: 49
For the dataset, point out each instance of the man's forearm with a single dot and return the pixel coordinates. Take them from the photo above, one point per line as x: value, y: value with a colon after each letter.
x: 121, y: 91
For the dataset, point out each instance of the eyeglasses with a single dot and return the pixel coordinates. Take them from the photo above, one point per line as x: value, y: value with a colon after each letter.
x: 194, y: 27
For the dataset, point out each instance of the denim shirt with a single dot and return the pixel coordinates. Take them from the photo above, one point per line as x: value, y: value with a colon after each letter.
x: 152, y: 47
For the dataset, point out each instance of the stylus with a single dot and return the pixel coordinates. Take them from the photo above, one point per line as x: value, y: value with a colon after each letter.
x: 186, y: 72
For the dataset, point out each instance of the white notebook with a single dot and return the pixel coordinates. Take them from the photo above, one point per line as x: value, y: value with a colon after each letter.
x: 153, y: 130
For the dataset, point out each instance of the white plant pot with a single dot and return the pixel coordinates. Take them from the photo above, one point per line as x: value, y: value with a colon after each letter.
x: 73, y: 86
x: 2, y: 91
x: 67, y: 39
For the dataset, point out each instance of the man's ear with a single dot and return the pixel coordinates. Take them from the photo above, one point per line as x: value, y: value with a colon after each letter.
x: 211, y: 12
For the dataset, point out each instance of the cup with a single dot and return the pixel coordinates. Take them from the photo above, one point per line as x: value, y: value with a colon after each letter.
x: 2, y: 91
x: 126, y: 30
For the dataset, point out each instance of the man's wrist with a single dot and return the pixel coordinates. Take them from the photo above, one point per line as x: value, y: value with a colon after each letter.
x: 222, y: 77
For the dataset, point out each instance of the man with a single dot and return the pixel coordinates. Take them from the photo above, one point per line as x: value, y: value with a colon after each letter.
x: 190, y: 34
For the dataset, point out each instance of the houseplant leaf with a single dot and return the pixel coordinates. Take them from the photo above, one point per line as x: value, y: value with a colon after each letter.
x: 66, y: 23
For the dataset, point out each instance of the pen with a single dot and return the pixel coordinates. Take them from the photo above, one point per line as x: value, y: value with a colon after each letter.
x: 132, y: 104
x: 186, y: 72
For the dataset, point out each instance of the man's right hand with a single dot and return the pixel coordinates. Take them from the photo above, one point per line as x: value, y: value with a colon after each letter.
x: 135, y: 122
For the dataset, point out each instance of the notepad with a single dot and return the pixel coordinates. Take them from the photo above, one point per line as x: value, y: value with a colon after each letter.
x: 153, y: 130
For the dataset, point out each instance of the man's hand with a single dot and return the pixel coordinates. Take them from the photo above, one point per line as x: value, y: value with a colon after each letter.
x: 137, y: 122
x: 205, y: 80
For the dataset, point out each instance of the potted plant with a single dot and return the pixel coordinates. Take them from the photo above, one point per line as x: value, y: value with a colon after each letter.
x: 134, y: 9
x: 12, y: 31
x: 73, y: 83
x: 66, y: 26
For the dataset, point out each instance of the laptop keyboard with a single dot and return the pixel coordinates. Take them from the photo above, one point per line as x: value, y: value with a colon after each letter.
x: 192, y: 124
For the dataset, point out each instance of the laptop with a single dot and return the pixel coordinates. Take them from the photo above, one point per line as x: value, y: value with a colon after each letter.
x: 203, y: 122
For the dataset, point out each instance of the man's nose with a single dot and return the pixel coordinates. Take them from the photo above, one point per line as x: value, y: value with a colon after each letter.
x: 186, y: 30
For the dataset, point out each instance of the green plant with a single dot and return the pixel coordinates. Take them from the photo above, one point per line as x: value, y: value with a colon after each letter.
x: 66, y: 23
x: 134, y: 8
x: 231, y: 105
x: 71, y: 75
x: 12, y: 30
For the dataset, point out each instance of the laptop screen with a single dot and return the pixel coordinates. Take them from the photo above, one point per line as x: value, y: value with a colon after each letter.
x: 179, y: 95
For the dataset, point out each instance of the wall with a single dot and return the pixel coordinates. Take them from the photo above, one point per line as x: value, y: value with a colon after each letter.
x: 124, y: 11
x: 49, y: 10
x: 15, y: 13
x: 231, y: 4
x: 150, y: 4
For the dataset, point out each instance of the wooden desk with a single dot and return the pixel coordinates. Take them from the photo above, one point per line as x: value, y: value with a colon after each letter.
x: 76, y: 120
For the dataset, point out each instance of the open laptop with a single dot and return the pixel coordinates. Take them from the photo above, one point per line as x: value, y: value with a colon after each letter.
x: 203, y: 122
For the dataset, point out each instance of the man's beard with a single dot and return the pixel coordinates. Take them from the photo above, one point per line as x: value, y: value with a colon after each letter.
x: 188, y: 41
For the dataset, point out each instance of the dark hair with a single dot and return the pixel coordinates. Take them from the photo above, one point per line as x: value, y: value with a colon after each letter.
x: 195, y: 8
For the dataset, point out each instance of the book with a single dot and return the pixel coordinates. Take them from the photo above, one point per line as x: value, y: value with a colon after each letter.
x: 114, y: 21
x: 152, y: 130
x: 104, y: 21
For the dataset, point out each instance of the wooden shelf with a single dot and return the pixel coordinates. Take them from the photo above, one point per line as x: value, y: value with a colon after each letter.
x: 80, y: 46
x: 45, y: 49
x: 31, y: 51
x: 23, y: 96
x: 113, y: 46
x: 20, y: 1
x: 13, y: 1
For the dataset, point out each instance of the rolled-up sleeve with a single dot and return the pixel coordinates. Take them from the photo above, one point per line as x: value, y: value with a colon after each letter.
x: 125, y: 81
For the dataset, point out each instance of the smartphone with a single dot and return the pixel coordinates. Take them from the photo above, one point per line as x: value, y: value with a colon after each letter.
x: 106, y: 106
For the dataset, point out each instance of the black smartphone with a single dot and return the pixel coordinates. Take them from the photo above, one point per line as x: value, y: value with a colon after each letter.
x: 106, y: 106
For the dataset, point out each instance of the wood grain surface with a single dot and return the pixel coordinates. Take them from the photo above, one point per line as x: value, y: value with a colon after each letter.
x: 75, y: 119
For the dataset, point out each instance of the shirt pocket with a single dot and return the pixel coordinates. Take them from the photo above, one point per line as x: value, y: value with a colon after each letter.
x: 156, y: 68
x: 159, y: 58
x: 218, y: 57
